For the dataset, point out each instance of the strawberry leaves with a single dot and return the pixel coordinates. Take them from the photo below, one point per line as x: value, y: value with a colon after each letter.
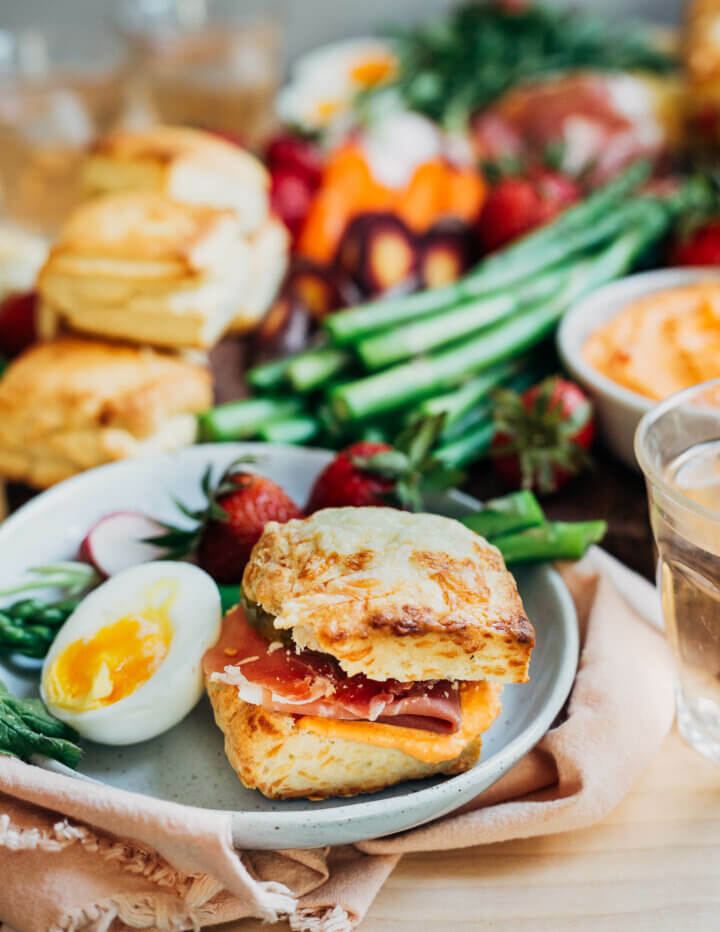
x: 541, y: 437
x: 411, y: 466
x: 180, y: 542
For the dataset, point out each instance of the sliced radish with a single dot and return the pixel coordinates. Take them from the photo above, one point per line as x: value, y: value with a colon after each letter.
x: 117, y: 542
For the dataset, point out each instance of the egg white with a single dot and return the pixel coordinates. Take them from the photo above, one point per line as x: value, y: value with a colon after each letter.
x: 324, y: 75
x: 176, y: 686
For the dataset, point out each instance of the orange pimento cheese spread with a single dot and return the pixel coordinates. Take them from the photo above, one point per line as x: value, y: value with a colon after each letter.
x: 661, y: 343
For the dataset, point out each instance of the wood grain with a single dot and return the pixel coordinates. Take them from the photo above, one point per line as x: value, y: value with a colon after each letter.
x: 653, y: 865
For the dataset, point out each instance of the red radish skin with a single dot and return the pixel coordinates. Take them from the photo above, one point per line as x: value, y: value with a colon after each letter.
x: 116, y: 542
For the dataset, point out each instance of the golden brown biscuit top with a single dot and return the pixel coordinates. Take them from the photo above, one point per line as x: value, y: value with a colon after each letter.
x: 73, y: 382
x: 142, y: 226
x: 353, y: 574
x: 168, y: 146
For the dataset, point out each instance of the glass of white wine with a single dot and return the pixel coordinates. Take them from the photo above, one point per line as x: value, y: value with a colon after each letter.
x: 61, y: 85
x: 212, y: 64
x: 678, y: 447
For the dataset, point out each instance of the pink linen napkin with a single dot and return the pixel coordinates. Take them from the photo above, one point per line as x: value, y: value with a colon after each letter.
x: 82, y: 857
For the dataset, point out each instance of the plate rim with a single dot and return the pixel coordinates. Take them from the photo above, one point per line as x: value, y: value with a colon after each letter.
x: 443, y: 797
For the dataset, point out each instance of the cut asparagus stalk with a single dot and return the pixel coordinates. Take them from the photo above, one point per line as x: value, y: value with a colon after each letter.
x: 384, y: 349
x: 269, y: 376
x: 471, y: 446
x: 428, y: 333
x: 298, y: 429
x: 422, y: 377
x: 237, y: 420
x: 456, y: 403
x: 538, y: 250
x: 411, y: 381
x: 479, y: 414
x: 313, y: 370
x: 556, y: 540
x: 506, y: 515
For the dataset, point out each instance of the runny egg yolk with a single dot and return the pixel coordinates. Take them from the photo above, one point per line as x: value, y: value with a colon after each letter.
x: 372, y: 70
x: 117, y: 659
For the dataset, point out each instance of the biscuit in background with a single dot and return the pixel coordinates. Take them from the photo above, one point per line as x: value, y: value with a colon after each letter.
x: 187, y: 165
x: 72, y: 404
x: 136, y: 266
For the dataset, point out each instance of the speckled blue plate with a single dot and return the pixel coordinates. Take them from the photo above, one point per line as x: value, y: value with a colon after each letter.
x: 187, y: 764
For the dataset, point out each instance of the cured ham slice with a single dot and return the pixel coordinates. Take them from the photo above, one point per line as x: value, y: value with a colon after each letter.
x: 307, y: 683
x: 601, y: 121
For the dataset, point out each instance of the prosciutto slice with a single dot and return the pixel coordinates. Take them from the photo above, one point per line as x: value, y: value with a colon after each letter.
x: 308, y: 683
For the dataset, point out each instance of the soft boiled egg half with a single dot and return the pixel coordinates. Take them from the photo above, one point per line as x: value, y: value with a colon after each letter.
x: 126, y: 665
x: 324, y: 82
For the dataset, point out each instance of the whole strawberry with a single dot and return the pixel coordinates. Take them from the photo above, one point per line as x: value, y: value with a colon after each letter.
x: 699, y: 246
x: 343, y: 482
x: 516, y: 205
x: 542, y: 436
x: 17, y: 322
x: 377, y: 474
x: 231, y: 522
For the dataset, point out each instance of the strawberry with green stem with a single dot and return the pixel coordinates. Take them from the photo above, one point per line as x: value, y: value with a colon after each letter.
x: 542, y: 436
x: 230, y: 522
x: 377, y: 474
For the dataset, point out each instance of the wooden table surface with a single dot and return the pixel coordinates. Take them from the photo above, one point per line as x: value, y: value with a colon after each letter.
x: 653, y: 864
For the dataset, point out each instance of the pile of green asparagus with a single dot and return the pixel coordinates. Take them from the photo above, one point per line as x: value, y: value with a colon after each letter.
x: 29, y: 625
x: 389, y: 362
x: 516, y: 525
x: 27, y: 728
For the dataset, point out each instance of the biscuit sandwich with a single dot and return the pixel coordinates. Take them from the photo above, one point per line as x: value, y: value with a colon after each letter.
x: 139, y: 267
x: 71, y: 404
x: 371, y: 648
x: 186, y: 165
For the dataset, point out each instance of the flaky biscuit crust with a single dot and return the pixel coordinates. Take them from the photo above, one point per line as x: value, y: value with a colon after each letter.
x: 140, y: 226
x: 71, y: 404
x: 169, y: 146
x: 393, y: 594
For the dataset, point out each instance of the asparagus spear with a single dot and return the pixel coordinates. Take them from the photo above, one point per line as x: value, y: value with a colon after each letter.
x: 390, y: 346
x: 270, y: 376
x: 508, y: 514
x: 313, y: 370
x: 237, y: 420
x: 480, y: 414
x: 299, y: 429
x: 556, y: 540
x: 27, y: 728
x: 419, y: 336
x: 424, y: 376
x: 467, y: 448
x: 456, y: 403
x: 573, y: 231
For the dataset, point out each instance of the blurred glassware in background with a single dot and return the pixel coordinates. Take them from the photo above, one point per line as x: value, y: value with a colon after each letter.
x: 60, y: 87
x: 678, y: 447
x: 213, y: 64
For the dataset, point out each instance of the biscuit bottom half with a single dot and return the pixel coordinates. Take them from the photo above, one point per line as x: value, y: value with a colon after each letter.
x: 286, y: 756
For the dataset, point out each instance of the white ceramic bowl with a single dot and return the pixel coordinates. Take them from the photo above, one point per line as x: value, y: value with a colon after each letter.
x: 618, y: 410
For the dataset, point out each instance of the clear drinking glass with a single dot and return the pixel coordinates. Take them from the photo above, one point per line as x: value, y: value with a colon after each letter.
x: 213, y: 64
x: 60, y: 86
x: 678, y: 447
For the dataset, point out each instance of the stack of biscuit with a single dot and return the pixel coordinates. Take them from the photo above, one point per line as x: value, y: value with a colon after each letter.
x: 173, y: 247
